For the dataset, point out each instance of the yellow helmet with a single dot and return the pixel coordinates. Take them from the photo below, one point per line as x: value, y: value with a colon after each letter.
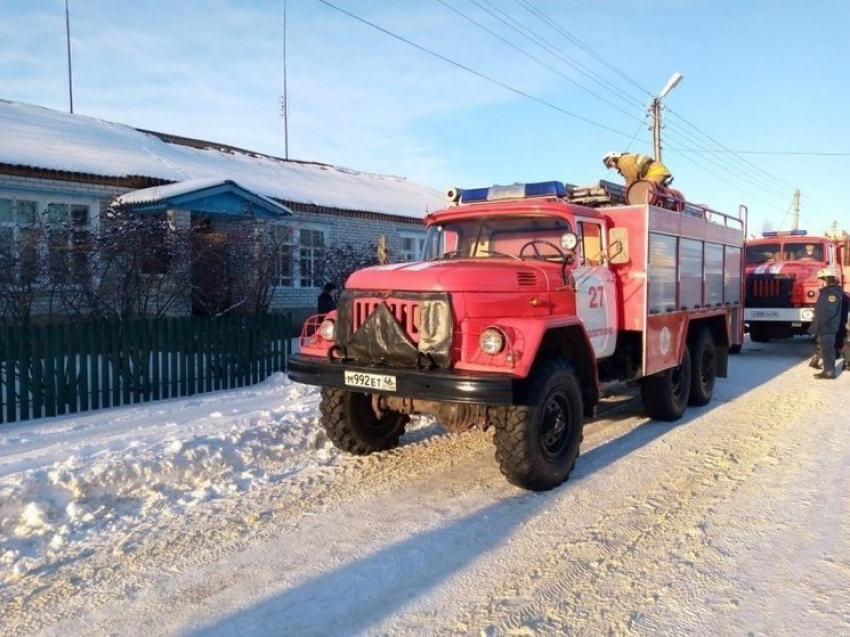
x: 826, y: 273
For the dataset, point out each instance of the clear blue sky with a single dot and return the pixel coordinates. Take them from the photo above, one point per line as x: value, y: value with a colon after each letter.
x: 566, y: 81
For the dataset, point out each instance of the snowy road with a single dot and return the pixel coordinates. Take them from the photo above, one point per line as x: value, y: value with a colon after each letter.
x: 230, y: 514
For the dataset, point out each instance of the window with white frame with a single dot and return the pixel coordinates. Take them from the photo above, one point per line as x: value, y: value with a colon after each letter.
x: 412, y: 246
x: 282, y: 249
x: 300, y: 254
x: 68, y: 237
x: 39, y: 229
x: 18, y: 240
x: 311, y: 253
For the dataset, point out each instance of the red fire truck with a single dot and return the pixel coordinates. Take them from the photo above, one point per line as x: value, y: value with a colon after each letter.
x: 531, y: 299
x: 781, y: 280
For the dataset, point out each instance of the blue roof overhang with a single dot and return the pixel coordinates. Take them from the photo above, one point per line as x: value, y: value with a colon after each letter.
x: 226, y: 198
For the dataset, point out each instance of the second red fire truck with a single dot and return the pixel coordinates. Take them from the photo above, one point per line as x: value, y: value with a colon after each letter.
x: 782, y: 280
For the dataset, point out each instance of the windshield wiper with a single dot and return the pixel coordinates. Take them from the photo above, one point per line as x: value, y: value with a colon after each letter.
x: 451, y: 254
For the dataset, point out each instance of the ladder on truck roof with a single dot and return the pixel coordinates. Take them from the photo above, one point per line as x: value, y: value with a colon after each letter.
x: 607, y: 193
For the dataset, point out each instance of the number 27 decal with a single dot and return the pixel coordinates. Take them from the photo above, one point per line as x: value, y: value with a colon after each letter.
x: 597, y: 297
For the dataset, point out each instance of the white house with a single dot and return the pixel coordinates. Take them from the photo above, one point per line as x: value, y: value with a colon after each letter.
x: 62, y: 168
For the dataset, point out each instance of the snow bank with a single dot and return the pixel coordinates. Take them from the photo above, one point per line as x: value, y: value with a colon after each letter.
x: 99, y: 487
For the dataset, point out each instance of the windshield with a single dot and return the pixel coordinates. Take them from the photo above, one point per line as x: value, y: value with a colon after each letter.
x: 763, y: 253
x: 792, y: 251
x: 803, y: 252
x: 497, y: 237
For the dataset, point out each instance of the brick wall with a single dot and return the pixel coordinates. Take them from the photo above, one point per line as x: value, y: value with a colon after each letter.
x: 362, y: 229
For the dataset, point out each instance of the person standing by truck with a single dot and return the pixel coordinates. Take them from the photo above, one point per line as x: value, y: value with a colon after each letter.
x: 842, y: 343
x: 842, y: 339
x: 325, y: 302
x: 827, y: 320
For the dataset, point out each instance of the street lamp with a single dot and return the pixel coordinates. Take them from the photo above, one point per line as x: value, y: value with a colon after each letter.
x: 655, y: 109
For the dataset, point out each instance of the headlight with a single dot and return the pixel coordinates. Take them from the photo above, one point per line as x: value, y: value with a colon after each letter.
x: 327, y: 330
x: 811, y: 294
x: 491, y: 341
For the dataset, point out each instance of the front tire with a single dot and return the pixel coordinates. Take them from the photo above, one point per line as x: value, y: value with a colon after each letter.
x: 665, y: 395
x: 537, y: 442
x: 759, y: 334
x: 353, y: 425
x: 703, y: 368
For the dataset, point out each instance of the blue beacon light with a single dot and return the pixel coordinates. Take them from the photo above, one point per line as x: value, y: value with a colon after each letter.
x: 514, y: 191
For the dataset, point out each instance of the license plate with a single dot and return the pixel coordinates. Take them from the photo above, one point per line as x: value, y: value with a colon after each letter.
x: 384, y: 382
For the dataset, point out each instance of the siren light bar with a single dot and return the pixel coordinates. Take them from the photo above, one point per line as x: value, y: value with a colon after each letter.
x: 785, y: 233
x: 514, y: 191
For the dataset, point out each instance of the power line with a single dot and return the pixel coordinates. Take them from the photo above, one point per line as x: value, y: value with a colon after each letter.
x: 726, y: 181
x: 532, y: 57
x: 746, y: 166
x: 718, y: 144
x: 546, y: 19
x: 538, y: 40
x: 744, y: 171
x: 479, y: 74
x: 763, y: 152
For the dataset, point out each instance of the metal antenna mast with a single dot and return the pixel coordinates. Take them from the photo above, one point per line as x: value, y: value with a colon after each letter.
x: 68, y: 39
x: 795, y: 207
x: 285, y: 101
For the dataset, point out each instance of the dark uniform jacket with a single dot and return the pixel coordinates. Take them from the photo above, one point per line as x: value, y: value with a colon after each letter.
x: 827, y: 318
x: 325, y: 303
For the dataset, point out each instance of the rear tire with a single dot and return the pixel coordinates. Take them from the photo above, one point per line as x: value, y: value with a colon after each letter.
x: 537, y: 442
x: 703, y: 368
x: 665, y: 395
x: 353, y: 425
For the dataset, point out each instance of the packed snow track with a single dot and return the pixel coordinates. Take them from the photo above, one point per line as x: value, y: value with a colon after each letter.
x: 231, y: 514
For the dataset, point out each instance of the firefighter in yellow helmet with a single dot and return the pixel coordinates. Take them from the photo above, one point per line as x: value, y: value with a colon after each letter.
x: 634, y: 166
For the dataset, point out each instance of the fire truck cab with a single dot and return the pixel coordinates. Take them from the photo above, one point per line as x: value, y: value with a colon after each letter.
x: 529, y: 301
x: 781, y: 280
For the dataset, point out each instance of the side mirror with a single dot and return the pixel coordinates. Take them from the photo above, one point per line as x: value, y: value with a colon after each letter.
x: 569, y: 241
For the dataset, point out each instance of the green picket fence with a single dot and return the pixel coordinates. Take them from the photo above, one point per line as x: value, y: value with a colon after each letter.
x: 64, y: 369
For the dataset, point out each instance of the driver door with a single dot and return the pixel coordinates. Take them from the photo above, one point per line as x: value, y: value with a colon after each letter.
x: 595, y: 291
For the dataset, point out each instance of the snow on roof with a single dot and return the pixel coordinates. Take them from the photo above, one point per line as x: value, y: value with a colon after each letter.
x: 157, y: 193
x: 171, y: 191
x: 37, y: 137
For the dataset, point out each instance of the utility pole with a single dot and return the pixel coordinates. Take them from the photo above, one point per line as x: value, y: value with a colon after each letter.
x: 655, y: 110
x: 68, y: 40
x: 795, y: 208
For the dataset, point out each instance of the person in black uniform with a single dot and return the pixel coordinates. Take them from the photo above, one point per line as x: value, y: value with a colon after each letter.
x: 827, y: 320
x: 326, y: 303
x: 842, y: 339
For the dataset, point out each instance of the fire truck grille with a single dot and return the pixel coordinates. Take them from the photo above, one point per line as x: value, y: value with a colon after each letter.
x: 769, y: 290
x: 407, y: 313
x: 404, y: 329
